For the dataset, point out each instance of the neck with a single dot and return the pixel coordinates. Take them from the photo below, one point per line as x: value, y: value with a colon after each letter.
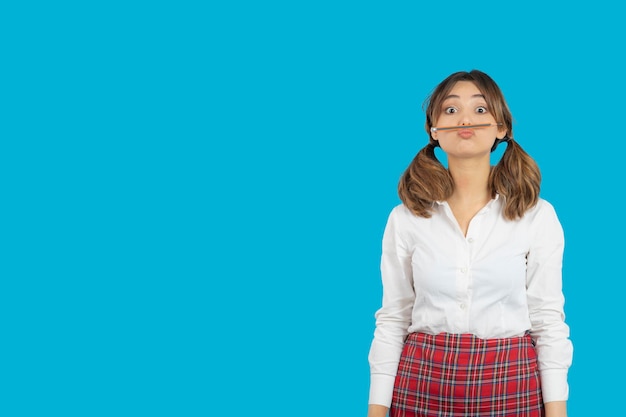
x: 471, y: 182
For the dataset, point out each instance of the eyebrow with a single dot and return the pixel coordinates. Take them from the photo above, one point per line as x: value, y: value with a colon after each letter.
x: 455, y: 96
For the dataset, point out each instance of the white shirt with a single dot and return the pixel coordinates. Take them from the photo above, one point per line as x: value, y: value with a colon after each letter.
x: 500, y: 280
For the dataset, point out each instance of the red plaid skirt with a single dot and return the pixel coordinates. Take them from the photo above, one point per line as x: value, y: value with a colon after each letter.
x: 456, y: 375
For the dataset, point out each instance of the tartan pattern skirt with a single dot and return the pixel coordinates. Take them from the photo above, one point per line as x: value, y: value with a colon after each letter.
x: 461, y: 375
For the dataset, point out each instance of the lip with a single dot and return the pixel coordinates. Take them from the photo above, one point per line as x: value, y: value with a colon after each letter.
x: 465, y: 133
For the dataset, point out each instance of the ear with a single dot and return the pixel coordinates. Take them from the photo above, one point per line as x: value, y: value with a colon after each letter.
x: 501, y: 133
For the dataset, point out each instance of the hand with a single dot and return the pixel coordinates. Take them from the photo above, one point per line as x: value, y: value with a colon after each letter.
x: 375, y: 410
x: 556, y: 409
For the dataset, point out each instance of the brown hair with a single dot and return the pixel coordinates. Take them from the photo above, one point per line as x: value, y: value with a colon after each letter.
x: 516, y: 177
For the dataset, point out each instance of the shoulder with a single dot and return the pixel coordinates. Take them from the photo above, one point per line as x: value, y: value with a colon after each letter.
x: 542, y: 209
x: 543, y: 218
x: 400, y: 210
x: 407, y: 224
x: 401, y: 213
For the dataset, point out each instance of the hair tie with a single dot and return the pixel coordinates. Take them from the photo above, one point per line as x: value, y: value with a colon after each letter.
x: 506, y: 138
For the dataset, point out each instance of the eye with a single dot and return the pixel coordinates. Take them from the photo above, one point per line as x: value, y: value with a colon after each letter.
x: 449, y: 110
x: 481, y: 110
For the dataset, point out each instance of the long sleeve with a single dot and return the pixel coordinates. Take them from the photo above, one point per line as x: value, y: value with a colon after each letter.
x: 394, y: 317
x: 546, y: 303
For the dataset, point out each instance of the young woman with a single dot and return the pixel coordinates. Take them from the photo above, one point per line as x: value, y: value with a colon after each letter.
x: 472, y: 320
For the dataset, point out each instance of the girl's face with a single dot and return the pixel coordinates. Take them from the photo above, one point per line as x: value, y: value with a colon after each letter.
x: 465, y: 105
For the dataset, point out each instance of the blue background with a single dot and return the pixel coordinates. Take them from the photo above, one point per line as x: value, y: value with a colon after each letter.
x: 194, y: 195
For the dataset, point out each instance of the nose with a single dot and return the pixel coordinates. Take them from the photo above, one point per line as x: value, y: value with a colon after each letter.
x: 465, y: 118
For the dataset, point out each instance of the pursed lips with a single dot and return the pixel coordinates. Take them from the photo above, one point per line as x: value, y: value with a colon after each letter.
x: 465, y: 133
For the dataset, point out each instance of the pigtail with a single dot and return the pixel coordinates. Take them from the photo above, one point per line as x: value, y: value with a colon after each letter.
x: 425, y: 181
x: 516, y: 178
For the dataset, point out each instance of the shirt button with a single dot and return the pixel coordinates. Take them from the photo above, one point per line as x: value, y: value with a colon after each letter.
x: 462, y: 306
x: 470, y: 240
x: 464, y: 270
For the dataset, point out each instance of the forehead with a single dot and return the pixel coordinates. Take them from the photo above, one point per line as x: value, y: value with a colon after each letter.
x: 464, y: 89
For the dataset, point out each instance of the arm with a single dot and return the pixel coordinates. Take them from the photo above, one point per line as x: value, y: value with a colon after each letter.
x: 546, y: 308
x: 394, y: 317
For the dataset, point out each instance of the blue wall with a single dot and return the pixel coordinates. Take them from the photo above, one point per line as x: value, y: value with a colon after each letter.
x: 194, y: 195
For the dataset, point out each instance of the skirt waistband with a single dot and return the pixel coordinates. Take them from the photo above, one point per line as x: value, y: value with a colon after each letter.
x: 466, y: 340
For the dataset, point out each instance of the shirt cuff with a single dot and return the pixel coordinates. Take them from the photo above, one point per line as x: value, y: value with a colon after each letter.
x: 381, y: 389
x: 554, y: 385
